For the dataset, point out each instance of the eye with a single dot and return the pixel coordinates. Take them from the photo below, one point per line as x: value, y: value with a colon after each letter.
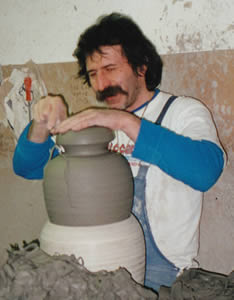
x: 110, y: 68
x: 92, y: 74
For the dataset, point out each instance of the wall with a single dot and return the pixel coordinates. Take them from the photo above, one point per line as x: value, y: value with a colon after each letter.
x: 209, y: 76
x: 196, y: 41
x: 47, y: 31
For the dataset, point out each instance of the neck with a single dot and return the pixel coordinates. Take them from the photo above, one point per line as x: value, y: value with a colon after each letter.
x: 141, y: 99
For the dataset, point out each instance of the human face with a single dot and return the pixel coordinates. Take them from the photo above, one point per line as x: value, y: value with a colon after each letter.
x: 113, y: 79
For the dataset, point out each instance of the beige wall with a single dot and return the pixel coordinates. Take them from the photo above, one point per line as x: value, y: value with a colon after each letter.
x: 208, y: 76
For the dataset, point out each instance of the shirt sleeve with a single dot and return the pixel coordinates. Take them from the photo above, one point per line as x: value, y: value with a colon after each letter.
x: 30, y: 158
x: 198, y: 163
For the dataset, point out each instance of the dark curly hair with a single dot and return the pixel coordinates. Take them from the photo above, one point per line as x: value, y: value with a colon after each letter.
x: 118, y: 29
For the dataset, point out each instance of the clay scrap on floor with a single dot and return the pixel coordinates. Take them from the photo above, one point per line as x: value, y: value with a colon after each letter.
x: 199, y: 284
x: 30, y: 273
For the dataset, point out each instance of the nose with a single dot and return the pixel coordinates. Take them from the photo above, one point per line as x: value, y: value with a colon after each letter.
x: 102, y: 81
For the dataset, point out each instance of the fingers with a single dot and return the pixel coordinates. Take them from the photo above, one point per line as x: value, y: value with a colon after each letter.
x: 55, y: 114
x: 91, y: 117
x: 110, y: 118
x: 76, y: 122
x: 50, y: 111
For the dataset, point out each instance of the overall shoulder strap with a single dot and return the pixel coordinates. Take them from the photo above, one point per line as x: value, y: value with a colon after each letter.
x: 164, y: 110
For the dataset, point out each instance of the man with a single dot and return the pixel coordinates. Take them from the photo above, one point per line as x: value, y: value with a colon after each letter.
x: 173, y: 160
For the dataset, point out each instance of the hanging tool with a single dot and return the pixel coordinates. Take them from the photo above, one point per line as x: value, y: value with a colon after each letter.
x: 27, y: 86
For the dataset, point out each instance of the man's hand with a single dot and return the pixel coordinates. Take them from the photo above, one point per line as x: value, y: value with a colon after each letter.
x: 48, y: 113
x: 110, y: 118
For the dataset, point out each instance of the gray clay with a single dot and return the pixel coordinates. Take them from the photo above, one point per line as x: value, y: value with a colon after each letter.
x: 31, y: 274
x: 88, y: 185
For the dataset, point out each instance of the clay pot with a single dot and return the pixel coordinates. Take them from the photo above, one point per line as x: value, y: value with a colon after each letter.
x: 104, y: 247
x: 87, y: 185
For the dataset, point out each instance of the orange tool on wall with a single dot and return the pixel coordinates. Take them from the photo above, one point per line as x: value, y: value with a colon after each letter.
x: 27, y: 86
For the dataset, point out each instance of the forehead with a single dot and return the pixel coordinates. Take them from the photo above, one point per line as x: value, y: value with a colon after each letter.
x: 107, y: 55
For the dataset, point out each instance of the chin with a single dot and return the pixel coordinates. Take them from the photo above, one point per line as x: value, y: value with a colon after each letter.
x: 115, y: 105
x: 116, y: 102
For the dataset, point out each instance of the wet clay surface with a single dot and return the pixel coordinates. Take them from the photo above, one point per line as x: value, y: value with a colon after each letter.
x: 87, y: 185
x: 31, y: 274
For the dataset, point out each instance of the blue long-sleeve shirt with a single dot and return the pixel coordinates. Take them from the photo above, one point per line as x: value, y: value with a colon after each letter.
x: 196, y: 163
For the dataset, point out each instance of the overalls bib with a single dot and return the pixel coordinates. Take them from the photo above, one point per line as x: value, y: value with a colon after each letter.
x: 159, y: 270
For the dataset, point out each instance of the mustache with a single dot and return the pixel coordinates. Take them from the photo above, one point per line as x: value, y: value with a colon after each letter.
x: 109, y: 92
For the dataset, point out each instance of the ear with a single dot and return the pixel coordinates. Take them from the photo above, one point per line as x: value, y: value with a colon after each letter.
x: 141, y: 70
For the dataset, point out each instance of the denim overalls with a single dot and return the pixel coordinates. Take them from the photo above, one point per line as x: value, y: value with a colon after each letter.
x: 159, y: 270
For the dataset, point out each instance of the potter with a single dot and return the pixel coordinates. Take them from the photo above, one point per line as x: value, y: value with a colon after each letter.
x: 175, y: 159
